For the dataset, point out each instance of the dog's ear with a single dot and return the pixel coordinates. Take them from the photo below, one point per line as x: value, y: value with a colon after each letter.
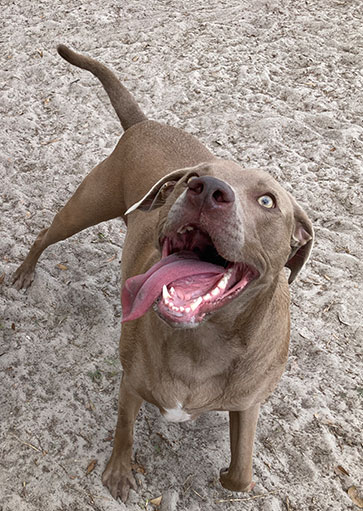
x: 157, y: 195
x: 302, y: 240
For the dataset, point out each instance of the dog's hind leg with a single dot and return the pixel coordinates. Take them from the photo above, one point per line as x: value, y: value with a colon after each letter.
x: 98, y: 198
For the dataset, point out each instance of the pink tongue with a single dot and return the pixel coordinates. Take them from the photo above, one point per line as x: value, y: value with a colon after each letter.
x: 141, y: 291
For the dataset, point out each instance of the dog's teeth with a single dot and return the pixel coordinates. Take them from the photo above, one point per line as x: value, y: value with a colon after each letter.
x: 181, y: 309
x: 196, y: 303
x: 187, y: 310
x: 215, y: 292
x: 222, y: 284
x: 166, y: 295
x: 168, y: 303
x: 184, y: 229
x: 172, y: 291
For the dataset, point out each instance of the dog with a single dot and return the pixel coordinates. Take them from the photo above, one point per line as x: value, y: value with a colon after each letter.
x: 205, y: 293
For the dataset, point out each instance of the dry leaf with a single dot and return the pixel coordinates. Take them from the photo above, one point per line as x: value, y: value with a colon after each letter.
x: 2, y: 277
x: 156, y: 501
x: 354, y: 497
x: 341, y: 470
x: 13, y: 326
x: 136, y: 58
x: 62, y: 266
x: 90, y: 406
x: 111, y: 259
x: 91, y: 466
x: 138, y: 468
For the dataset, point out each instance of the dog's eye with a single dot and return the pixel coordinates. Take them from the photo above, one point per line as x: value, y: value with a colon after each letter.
x: 266, y: 201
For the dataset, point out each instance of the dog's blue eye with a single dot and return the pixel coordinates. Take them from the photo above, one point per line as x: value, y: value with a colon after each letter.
x: 266, y: 201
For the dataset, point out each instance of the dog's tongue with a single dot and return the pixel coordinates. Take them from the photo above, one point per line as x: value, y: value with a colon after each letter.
x: 141, y: 291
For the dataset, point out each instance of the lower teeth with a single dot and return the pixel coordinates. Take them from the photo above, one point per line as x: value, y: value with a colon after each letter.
x: 169, y: 294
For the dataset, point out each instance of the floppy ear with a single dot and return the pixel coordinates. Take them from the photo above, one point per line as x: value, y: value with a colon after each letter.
x: 157, y: 195
x: 302, y: 240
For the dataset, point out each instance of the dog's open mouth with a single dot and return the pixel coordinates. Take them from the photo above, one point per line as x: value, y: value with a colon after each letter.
x: 190, y: 281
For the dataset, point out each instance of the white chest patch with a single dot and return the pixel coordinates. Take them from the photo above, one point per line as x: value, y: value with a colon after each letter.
x: 176, y: 414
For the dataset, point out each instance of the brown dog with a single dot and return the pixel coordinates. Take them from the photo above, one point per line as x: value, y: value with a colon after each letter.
x: 205, y: 297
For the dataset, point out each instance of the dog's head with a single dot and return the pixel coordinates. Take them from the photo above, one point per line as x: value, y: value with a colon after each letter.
x: 222, y: 230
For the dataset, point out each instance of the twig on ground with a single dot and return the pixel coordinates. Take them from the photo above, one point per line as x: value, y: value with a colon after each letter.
x: 29, y: 445
x: 199, y: 495
x: 254, y: 497
x: 185, y: 486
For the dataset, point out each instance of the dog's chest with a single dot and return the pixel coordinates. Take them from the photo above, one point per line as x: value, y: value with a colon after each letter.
x: 181, y: 398
x: 185, y: 390
x: 180, y: 403
x: 185, y: 375
x: 176, y: 414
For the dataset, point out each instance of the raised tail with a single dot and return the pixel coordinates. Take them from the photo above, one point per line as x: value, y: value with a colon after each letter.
x: 127, y: 109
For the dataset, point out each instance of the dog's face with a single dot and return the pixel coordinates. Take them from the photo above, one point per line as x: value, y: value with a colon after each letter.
x: 223, y: 232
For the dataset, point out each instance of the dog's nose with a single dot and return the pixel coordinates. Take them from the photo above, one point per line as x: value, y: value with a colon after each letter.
x: 209, y: 192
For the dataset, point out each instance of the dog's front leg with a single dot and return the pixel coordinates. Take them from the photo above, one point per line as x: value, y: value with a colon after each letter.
x: 242, y: 428
x: 118, y: 475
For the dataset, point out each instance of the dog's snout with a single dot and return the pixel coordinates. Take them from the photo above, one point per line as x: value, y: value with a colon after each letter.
x: 209, y: 192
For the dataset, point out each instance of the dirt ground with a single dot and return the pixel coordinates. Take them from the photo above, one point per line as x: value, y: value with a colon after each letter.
x: 268, y: 83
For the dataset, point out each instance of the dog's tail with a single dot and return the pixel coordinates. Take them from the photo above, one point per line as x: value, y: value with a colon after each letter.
x: 127, y: 109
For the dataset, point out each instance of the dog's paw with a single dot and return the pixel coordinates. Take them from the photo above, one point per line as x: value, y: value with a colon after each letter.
x: 232, y: 483
x: 23, y: 277
x: 118, y: 481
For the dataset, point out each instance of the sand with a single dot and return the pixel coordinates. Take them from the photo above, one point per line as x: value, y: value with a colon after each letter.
x: 270, y: 84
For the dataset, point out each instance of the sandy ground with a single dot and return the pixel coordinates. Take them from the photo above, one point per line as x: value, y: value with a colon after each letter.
x: 274, y: 84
